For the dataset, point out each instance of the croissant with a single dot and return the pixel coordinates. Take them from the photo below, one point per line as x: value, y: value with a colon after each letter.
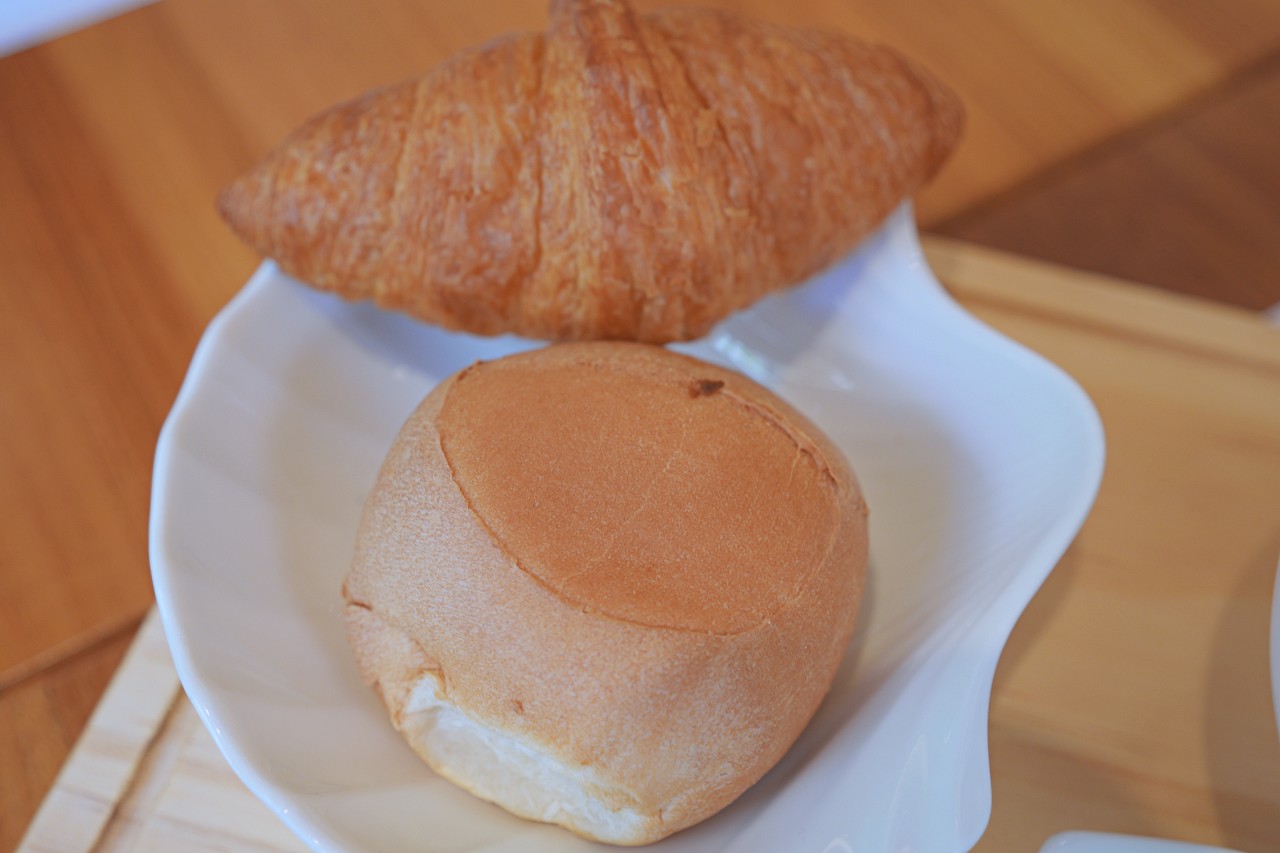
x: 621, y: 176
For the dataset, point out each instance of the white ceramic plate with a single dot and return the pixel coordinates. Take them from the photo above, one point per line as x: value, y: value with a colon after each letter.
x: 978, y: 458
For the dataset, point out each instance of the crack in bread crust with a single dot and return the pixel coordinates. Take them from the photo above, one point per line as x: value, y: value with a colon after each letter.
x: 744, y: 400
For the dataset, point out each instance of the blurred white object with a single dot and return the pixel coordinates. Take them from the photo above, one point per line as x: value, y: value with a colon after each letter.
x: 24, y: 23
x: 1106, y: 842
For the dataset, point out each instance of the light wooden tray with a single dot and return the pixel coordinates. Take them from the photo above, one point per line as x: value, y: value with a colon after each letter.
x: 146, y: 775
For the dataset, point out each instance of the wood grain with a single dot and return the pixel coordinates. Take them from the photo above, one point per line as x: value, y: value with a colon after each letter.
x: 91, y: 350
x: 147, y: 776
x: 1133, y: 695
x: 1047, y: 79
x: 40, y: 720
x: 1190, y: 202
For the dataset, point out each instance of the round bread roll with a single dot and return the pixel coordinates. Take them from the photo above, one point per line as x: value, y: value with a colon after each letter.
x: 605, y: 585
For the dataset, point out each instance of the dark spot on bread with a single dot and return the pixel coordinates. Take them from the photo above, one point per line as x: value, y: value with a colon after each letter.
x: 704, y: 387
x: 518, y: 705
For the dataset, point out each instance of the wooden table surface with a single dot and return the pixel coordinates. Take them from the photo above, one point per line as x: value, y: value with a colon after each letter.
x: 1135, y: 138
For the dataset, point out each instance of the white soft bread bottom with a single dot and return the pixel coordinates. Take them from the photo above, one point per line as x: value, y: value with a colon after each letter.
x: 511, y: 771
x: 508, y: 770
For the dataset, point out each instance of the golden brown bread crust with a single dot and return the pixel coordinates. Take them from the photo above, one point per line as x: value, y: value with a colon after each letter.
x: 621, y: 176
x: 678, y: 499
x: 674, y: 704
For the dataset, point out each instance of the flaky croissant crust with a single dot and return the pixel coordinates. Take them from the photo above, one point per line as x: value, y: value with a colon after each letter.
x: 621, y: 176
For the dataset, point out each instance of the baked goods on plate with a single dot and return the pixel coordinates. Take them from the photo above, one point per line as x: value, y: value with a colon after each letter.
x: 977, y: 458
x: 623, y: 176
x: 606, y: 585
